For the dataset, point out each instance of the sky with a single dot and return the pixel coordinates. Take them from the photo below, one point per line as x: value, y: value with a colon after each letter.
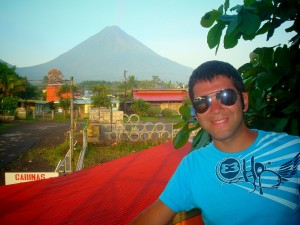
x: 37, y: 31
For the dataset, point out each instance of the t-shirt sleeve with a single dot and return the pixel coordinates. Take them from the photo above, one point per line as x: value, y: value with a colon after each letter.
x: 177, y: 193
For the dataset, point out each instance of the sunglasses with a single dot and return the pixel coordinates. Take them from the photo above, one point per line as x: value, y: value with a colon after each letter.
x: 226, y: 97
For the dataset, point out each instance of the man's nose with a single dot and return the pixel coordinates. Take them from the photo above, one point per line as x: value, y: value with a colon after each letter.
x: 215, y: 106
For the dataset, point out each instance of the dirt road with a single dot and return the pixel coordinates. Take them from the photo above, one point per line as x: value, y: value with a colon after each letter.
x: 24, y: 135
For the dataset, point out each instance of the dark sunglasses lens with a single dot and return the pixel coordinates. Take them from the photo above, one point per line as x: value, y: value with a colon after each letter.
x: 200, y: 105
x: 227, y: 97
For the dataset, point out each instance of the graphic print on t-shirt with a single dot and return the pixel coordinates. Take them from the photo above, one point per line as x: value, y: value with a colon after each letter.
x: 263, y: 173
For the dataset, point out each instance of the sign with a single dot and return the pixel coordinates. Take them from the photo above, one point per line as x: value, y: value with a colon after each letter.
x: 15, y: 177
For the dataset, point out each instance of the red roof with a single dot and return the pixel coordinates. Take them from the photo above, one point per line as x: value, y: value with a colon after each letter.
x: 164, y: 95
x: 111, y: 193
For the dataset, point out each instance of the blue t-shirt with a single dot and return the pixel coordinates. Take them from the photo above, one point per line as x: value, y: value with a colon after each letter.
x: 259, y: 185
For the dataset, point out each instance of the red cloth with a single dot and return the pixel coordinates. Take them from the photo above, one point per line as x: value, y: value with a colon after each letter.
x: 111, y: 193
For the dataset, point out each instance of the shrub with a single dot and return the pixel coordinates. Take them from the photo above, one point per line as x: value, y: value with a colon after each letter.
x: 140, y: 107
x: 169, y: 112
x: 154, y: 111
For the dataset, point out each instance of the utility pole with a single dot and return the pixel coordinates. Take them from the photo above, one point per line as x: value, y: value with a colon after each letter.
x: 72, y: 123
x: 125, y: 91
x: 26, y: 105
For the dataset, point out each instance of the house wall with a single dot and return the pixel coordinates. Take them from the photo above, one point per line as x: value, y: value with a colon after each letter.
x: 40, y: 108
x: 171, y: 105
x: 168, y: 105
x: 104, y: 116
x: 87, y: 109
x: 165, y: 98
x: 51, y: 91
x: 34, y: 107
x: 83, y: 110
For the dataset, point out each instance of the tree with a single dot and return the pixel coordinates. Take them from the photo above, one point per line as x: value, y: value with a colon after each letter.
x: 55, y: 76
x: 10, y: 82
x: 63, y: 94
x: 29, y: 92
x: 272, y: 75
x: 156, y: 81
x: 131, y: 82
x: 125, y: 90
x: 100, y: 96
x: 9, y: 105
x: 45, y: 82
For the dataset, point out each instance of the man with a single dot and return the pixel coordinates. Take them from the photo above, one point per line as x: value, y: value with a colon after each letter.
x: 244, y: 176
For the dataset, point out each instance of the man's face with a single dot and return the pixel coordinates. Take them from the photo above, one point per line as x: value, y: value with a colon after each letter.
x: 223, y: 123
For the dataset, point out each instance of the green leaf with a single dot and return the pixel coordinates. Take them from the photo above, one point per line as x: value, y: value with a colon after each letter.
x: 201, y: 140
x: 214, y: 35
x: 230, y: 41
x: 249, y: 2
x: 236, y: 8
x: 254, y: 58
x: 257, y: 100
x: 278, y: 124
x: 281, y: 124
x: 267, y: 59
x: 228, y: 18
x: 274, y: 24
x: 193, y: 126
x: 264, y: 29
x: 220, y: 9
x: 248, y: 22
x: 232, y: 23
x: 293, y: 107
x: 185, y: 112
x: 179, y: 124
x: 181, y: 137
x: 272, y: 124
x: 248, y: 37
x: 267, y: 80
x: 287, y: 11
x: 293, y: 126
x: 249, y: 82
x: 266, y: 56
x: 282, y: 57
x: 258, y: 51
x: 226, y: 5
x: 209, y: 18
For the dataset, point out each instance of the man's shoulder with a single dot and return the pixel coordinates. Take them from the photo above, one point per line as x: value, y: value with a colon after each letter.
x: 273, y: 134
x: 200, y: 152
x: 275, y: 139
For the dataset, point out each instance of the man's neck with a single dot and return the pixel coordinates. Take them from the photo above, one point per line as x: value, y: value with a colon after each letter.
x: 237, y: 143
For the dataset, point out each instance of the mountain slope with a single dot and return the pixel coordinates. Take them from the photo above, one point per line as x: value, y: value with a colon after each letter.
x: 106, y: 55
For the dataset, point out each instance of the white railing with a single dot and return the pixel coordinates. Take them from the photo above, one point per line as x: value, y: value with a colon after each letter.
x: 65, y: 166
x: 80, y: 164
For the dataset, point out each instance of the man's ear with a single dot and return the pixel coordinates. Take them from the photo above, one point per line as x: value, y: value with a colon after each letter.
x: 245, y: 100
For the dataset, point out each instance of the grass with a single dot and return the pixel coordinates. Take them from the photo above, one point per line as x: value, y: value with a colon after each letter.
x: 99, y: 154
x: 155, y: 119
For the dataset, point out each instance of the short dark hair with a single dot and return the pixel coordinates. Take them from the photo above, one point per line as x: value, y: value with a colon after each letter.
x: 212, y: 69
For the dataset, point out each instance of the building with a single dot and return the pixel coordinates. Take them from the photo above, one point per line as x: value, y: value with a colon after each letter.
x: 82, y: 106
x: 171, y: 98
x: 51, y: 91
